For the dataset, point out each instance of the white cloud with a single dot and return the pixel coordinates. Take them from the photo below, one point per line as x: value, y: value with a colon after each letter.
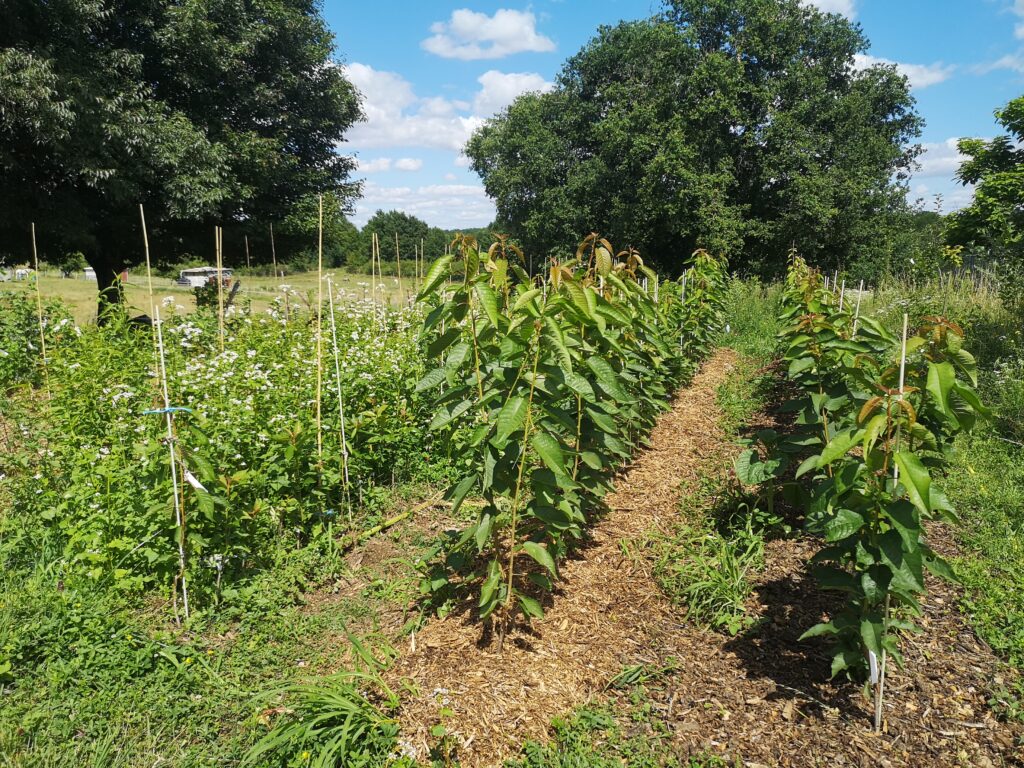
x: 499, y: 89
x: 939, y: 159
x: 469, y: 35
x: 461, y: 161
x: 1012, y: 61
x: 444, y: 205
x: 449, y: 177
x: 396, y: 117
x: 408, y: 164
x: 847, y: 8
x: 377, y: 165
x: 919, y: 75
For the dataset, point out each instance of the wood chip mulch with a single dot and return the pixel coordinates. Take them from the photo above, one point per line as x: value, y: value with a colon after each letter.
x: 761, y: 698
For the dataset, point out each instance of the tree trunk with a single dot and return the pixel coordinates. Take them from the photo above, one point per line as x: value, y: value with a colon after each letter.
x: 108, y: 281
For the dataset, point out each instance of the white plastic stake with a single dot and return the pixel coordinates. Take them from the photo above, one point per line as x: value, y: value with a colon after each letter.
x: 178, y: 520
x: 842, y: 295
x: 39, y: 313
x: 856, y: 314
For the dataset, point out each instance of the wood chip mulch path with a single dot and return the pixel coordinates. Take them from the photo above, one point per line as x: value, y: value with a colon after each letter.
x: 762, y: 698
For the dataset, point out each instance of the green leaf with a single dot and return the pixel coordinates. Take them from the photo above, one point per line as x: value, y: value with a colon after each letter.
x: 839, y: 446
x: 489, y: 590
x: 579, y: 384
x: 541, y: 555
x: 458, y: 492
x: 511, y: 418
x: 817, y: 630
x: 483, y: 531
x: 525, y: 298
x: 845, y: 523
x: 871, y: 633
x: 442, y: 342
x: 550, y: 452
x: 530, y: 606
x: 941, y: 377
x: 435, y: 276
x: 431, y: 380
x: 915, y: 479
x: 489, y: 301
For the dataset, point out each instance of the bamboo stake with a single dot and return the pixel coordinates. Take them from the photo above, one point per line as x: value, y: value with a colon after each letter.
x: 149, y: 268
x: 420, y: 273
x: 842, y: 295
x: 398, y: 266
x: 248, y: 265
x: 319, y: 328
x: 218, y: 247
x: 179, y: 519
x: 273, y: 250
x: 341, y: 400
x: 373, y: 269
x: 39, y: 315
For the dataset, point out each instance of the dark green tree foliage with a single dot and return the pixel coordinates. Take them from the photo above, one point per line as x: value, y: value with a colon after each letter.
x: 734, y: 125
x: 412, y: 233
x: 994, y: 221
x: 204, y: 110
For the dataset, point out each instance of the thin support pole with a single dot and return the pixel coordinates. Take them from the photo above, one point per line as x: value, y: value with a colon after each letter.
x: 842, y: 295
x: 39, y: 315
x: 341, y: 399
x: 149, y: 267
x: 398, y: 266
x: 856, y: 314
x: 218, y: 238
x: 880, y: 688
x: 248, y: 264
x: 179, y: 517
x: 319, y: 334
x: 273, y: 250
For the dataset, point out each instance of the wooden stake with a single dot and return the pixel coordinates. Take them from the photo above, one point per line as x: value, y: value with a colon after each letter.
x: 248, y: 265
x: 179, y: 519
x: 39, y: 315
x: 149, y: 268
x: 341, y: 400
x: 842, y: 295
x: 373, y: 269
x: 398, y: 266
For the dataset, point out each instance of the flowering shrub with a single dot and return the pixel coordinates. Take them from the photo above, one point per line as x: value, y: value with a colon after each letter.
x: 20, y: 357
x: 252, y: 476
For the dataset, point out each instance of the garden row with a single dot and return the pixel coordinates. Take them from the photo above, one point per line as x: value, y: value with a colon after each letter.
x: 544, y: 387
x: 875, y: 415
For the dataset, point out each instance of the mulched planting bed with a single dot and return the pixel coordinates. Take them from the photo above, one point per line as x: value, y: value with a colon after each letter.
x: 761, y: 698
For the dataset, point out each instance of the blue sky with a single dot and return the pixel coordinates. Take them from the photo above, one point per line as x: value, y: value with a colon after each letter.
x: 430, y: 72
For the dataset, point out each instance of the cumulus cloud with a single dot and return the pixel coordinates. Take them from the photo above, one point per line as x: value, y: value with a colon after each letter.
x: 408, y: 164
x: 847, y: 8
x: 377, y: 165
x: 499, y: 89
x: 919, y: 75
x: 939, y: 159
x: 470, y: 35
x: 396, y: 117
x: 443, y: 205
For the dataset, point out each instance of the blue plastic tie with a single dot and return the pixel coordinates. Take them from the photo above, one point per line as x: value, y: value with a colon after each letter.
x: 172, y: 409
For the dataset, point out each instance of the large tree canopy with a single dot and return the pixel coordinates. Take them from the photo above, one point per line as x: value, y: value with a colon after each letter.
x: 206, y: 111
x: 995, y: 217
x: 741, y: 126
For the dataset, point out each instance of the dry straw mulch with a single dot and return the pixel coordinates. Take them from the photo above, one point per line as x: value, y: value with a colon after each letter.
x: 762, y: 698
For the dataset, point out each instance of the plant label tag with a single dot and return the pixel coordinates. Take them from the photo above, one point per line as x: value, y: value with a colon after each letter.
x: 873, y: 665
x: 193, y: 481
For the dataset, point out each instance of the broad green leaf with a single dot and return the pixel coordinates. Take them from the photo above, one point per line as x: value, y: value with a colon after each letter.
x: 525, y: 298
x: 817, y: 630
x: 914, y: 477
x: 941, y: 377
x: 483, y: 531
x: 442, y: 342
x: 431, y: 380
x: 489, y: 302
x: 839, y: 446
x: 541, y: 555
x: 550, y: 452
x: 511, y: 418
x: 530, y: 606
x: 845, y: 523
x: 436, y: 275
x: 579, y: 385
x: 458, y: 492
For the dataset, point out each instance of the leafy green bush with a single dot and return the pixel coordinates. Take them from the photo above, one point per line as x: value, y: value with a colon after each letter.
x: 20, y: 354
